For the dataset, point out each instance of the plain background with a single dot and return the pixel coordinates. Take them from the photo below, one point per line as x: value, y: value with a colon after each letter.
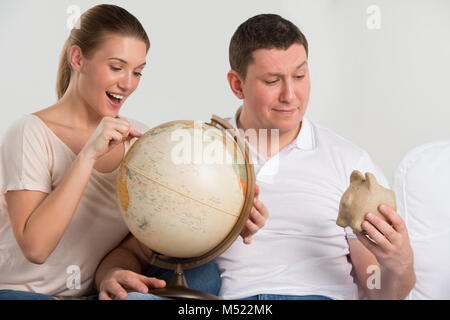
x: 380, y: 77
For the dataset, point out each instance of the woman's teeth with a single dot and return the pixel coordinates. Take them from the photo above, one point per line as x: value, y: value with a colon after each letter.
x: 116, y: 97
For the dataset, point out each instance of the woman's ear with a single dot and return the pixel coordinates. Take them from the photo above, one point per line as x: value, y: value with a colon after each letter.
x: 236, y: 83
x: 76, y: 58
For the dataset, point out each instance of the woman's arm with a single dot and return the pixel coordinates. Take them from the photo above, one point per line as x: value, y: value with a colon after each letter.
x: 39, y: 220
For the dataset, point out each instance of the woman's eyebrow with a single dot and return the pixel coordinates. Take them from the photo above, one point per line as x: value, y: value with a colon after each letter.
x: 121, y: 60
x: 125, y: 62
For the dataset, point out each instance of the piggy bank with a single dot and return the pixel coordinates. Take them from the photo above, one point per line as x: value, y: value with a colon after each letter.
x: 362, y: 196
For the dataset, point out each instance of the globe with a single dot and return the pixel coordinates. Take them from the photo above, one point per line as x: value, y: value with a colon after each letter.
x: 185, y: 189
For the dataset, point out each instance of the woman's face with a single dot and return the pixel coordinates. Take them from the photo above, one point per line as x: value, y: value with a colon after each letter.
x: 111, y: 73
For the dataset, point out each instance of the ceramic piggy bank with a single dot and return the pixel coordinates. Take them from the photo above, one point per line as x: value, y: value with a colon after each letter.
x: 362, y: 196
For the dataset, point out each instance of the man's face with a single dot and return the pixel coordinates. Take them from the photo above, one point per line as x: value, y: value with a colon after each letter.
x: 276, y: 88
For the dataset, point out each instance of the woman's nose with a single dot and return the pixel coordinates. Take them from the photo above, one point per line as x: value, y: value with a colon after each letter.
x: 125, y: 82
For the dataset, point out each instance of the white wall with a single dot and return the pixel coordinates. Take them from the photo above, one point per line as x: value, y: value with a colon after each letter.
x: 385, y: 89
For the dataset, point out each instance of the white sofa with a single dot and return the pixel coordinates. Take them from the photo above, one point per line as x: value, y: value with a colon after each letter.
x: 422, y: 185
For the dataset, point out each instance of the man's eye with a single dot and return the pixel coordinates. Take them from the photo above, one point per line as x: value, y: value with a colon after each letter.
x: 271, y: 82
x: 300, y: 76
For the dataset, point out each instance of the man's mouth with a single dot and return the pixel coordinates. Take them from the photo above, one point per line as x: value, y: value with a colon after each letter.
x: 115, y: 98
x: 285, y: 111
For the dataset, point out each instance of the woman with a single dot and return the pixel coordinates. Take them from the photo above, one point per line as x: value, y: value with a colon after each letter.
x: 59, y: 165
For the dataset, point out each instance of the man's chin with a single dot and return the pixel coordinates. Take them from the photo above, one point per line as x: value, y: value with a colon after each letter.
x: 285, y: 127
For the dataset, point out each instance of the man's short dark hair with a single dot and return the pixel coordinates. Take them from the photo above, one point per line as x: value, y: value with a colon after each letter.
x: 264, y: 31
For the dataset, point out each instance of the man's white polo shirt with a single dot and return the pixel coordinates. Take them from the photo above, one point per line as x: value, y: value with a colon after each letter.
x: 300, y: 250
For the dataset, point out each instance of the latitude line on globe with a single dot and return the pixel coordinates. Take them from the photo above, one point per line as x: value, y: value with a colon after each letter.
x: 193, y: 199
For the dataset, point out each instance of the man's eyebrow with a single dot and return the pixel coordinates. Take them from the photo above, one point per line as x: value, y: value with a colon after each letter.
x: 124, y: 62
x: 279, y: 74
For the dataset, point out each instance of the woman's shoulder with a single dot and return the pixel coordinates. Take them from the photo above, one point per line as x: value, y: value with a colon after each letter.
x: 26, y: 125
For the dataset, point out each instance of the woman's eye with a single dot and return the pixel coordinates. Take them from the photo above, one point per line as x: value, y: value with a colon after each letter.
x: 138, y: 74
x: 115, y: 68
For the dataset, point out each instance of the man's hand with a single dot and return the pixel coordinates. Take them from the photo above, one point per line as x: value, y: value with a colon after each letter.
x: 256, y: 219
x: 118, y: 282
x: 389, y: 243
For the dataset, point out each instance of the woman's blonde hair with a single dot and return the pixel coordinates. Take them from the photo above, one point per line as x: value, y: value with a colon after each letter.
x: 88, y: 34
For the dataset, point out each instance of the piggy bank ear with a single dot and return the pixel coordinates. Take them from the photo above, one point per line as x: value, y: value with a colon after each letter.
x: 356, y: 176
x: 371, y: 180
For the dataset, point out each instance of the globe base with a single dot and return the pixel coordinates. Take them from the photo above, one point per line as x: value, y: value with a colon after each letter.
x: 178, y: 289
x: 182, y: 293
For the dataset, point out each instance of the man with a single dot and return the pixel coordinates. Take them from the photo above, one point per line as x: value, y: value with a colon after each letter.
x: 300, y: 253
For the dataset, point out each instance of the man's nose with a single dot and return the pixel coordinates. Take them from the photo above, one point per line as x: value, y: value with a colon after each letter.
x: 287, y: 94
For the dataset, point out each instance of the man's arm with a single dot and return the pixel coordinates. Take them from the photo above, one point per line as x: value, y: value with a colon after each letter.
x: 120, y: 270
x: 389, y: 251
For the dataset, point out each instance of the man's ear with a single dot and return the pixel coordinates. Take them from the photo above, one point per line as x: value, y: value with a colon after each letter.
x: 76, y: 58
x: 236, y: 83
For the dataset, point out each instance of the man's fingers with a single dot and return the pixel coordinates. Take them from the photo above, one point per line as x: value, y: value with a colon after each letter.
x: 250, y: 228
x: 396, y: 220
x: 114, y: 290
x: 256, y: 191
x: 133, y: 282
x: 376, y: 235
x: 368, y: 244
x: 153, y: 282
x: 386, y: 229
x: 257, y: 217
x: 259, y: 205
x: 104, y: 296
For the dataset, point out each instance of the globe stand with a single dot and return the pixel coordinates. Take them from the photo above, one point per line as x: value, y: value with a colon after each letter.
x: 178, y: 289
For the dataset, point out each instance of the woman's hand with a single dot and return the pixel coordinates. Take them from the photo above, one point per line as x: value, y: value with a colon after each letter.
x: 109, y: 133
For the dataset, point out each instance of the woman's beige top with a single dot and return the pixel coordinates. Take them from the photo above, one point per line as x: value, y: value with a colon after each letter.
x: 32, y: 157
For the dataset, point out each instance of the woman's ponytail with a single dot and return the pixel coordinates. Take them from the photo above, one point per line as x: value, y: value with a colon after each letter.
x: 64, y: 72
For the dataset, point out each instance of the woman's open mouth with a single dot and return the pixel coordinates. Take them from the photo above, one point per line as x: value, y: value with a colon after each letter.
x: 115, y: 99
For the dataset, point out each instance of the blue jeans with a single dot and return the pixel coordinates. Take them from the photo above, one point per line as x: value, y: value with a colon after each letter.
x: 205, y: 278
x: 23, y: 295
x: 285, y: 297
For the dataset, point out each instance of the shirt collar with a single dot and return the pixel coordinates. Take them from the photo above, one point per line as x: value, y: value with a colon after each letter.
x: 305, y: 139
